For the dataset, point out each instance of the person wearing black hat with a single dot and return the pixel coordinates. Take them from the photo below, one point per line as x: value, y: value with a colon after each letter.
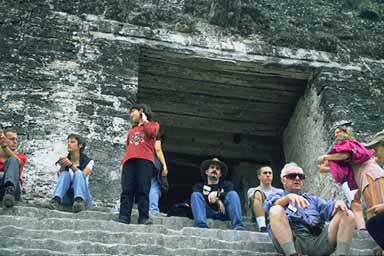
x: 215, y: 198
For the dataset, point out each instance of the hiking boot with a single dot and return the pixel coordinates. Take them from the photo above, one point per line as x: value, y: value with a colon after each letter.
x: 147, y: 221
x: 78, y: 205
x: 54, y: 204
x: 9, y: 196
x: 124, y: 220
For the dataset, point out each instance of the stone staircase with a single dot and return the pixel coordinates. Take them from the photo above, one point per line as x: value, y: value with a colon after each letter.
x: 35, y: 231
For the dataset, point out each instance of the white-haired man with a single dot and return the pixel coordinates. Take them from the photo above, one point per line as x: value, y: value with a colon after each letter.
x: 297, y: 219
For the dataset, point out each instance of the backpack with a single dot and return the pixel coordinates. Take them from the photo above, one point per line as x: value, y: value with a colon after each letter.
x: 181, y: 210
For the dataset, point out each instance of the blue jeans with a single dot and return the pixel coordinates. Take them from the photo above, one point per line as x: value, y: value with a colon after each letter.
x: 11, y: 177
x: 154, y: 195
x: 201, y: 211
x: 70, y: 187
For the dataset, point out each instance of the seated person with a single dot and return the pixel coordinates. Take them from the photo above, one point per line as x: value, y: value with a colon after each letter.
x: 11, y: 165
x: 257, y: 195
x: 297, y: 219
x: 72, y: 185
x: 215, y: 198
x: 375, y: 214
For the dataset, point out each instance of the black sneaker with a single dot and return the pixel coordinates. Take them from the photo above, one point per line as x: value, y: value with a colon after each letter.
x: 54, y: 204
x: 9, y: 196
x: 78, y: 205
x: 263, y: 229
x: 124, y: 220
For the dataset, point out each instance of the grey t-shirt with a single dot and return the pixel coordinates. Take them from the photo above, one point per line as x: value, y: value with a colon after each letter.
x: 267, y: 192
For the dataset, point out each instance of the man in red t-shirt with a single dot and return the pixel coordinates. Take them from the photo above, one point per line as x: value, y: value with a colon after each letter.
x: 11, y: 165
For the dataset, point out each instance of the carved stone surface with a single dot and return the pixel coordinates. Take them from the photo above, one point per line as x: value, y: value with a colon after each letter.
x: 74, y: 66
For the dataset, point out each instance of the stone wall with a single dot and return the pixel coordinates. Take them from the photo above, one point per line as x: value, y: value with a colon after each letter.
x: 305, y: 139
x: 72, y: 66
x: 331, y: 97
x: 56, y: 80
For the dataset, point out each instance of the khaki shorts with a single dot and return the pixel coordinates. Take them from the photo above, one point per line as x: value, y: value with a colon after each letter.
x: 305, y: 243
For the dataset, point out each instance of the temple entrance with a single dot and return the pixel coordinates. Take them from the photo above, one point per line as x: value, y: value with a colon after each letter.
x: 215, y: 106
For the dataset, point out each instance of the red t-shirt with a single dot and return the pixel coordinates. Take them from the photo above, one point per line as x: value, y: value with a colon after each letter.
x: 22, y: 161
x: 141, y: 141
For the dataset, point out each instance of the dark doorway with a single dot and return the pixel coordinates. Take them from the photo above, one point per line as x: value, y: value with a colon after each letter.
x: 214, y: 105
x: 184, y: 172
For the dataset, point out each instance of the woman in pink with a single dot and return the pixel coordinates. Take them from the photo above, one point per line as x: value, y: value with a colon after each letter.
x: 138, y: 164
x: 342, y: 171
x: 351, y: 163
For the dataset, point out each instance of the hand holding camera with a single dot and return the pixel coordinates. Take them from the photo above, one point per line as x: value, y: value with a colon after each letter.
x: 64, y: 162
x: 3, y: 139
x: 144, y: 117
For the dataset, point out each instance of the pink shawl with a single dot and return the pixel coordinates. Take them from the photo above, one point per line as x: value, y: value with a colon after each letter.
x: 341, y: 170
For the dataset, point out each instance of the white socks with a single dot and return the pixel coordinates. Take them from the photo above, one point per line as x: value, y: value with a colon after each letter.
x: 350, y: 194
x: 260, y: 222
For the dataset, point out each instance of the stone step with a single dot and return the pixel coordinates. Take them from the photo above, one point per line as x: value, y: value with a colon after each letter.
x: 229, y: 235
x: 41, y: 252
x: 84, y: 247
x: 31, y: 218
x: 170, y: 222
x: 46, y: 213
x: 104, y: 230
x: 76, y: 224
x: 226, y: 235
x: 364, y: 252
x: 111, y: 226
x: 169, y: 241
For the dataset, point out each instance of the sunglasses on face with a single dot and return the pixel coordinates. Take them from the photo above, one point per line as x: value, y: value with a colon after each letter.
x: 293, y: 176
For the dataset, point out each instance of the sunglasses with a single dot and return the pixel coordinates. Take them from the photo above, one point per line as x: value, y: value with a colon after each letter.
x: 293, y: 176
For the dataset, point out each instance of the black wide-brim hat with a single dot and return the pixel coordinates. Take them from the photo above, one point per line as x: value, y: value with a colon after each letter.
x: 205, y: 165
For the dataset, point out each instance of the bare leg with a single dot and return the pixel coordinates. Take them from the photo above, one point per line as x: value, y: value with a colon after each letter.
x: 258, y: 204
x: 257, y: 207
x: 359, y: 216
x: 281, y: 229
x: 340, y: 230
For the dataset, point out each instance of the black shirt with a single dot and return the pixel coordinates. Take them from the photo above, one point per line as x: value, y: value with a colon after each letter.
x: 223, y: 187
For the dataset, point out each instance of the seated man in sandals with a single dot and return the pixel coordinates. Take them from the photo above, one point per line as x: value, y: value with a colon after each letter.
x: 298, y: 219
x: 257, y: 195
x: 72, y: 185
